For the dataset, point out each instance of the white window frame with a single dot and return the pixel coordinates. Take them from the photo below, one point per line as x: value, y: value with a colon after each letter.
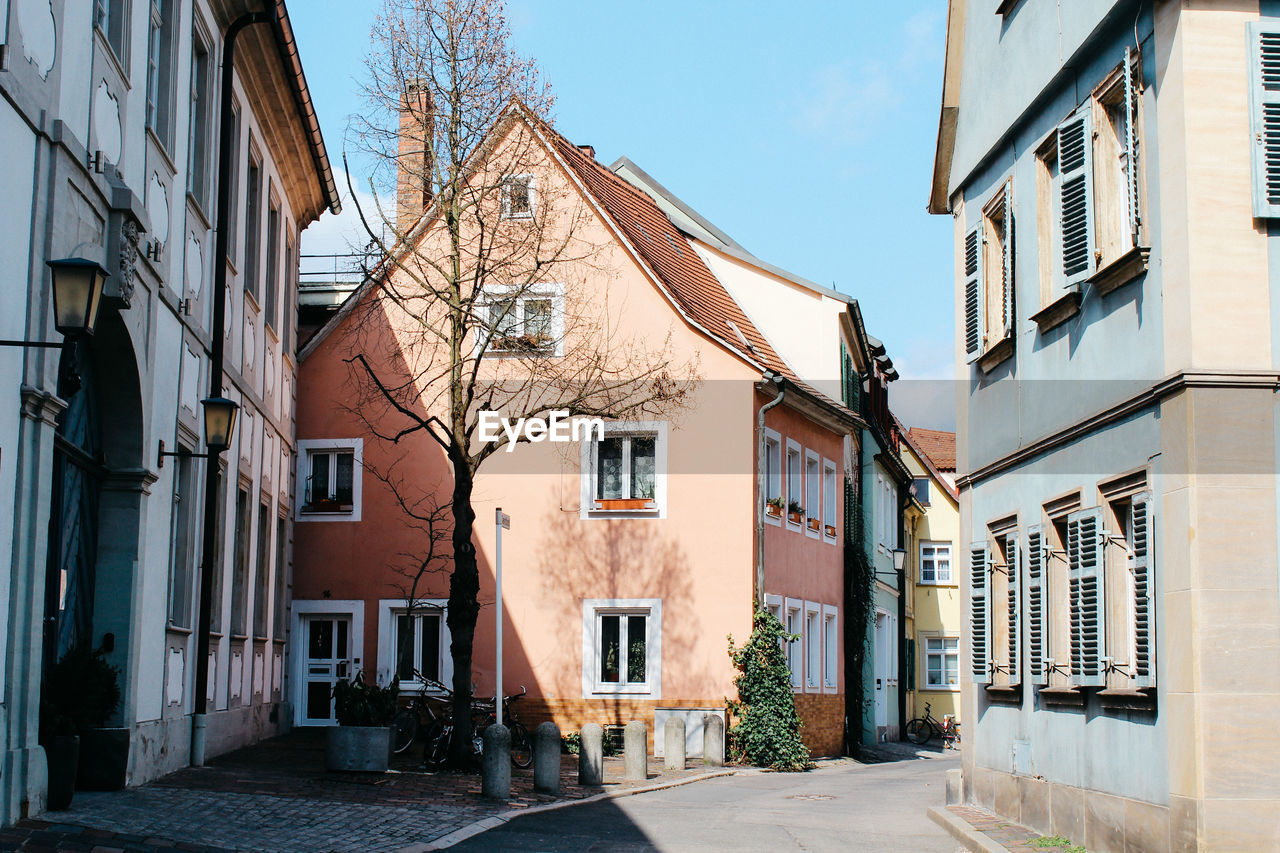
x: 303, y: 462
x: 773, y: 475
x: 592, y: 610
x: 588, y: 461
x: 812, y: 647
x: 812, y: 493
x: 937, y: 545
x: 389, y: 610
x: 532, y: 183
x: 794, y: 485
x: 553, y: 291
x: 943, y: 653
x: 830, y: 499
x: 830, y: 648
x: 794, y: 607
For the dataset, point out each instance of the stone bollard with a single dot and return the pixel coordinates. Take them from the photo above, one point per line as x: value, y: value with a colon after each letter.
x: 635, y: 748
x: 591, y: 755
x: 495, y: 764
x: 713, y: 740
x: 546, y: 758
x: 673, y: 743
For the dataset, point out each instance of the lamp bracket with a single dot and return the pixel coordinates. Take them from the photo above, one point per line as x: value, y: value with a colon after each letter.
x: 179, y: 452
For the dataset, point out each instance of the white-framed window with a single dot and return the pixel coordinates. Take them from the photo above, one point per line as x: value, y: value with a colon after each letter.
x: 775, y: 506
x: 622, y: 646
x: 112, y: 18
x: 829, y: 481
x: 525, y: 322
x: 427, y: 649
x: 812, y: 646
x: 519, y: 195
x: 942, y: 663
x: 160, y: 43
x: 935, y: 563
x: 830, y: 648
x: 329, y: 480
x: 625, y: 472
x: 886, y: 512
x: 813, y: 494
x: 795, y: 648
x: 795, y: 485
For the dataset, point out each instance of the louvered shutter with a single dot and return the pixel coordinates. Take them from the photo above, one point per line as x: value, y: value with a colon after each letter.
x: 1037, y: 635
x: 1264, y: 102
x: 1013, y: 558
x: 1075, y: 197
x: 1142, y: 540
x: 973, y: 295
x: 980, y: 613
x: 1132, y: 79
x: 1006, y: 260
x: 1085, y: 547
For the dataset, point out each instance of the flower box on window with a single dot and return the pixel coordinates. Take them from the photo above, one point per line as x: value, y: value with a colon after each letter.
x: 773, y: 507
x: 626, y: 503
x: 520, y: 343
x: 327, y: 505
x: 795, y: 513
x: 830, y: 530
x: 815, y: 524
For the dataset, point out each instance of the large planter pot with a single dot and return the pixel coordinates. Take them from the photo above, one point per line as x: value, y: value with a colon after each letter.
x: 63, y: 756
x: 104, y: 759
x: 360, y: 748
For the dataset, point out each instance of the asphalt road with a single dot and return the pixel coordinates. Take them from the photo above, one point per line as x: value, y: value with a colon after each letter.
x: 842, y: 807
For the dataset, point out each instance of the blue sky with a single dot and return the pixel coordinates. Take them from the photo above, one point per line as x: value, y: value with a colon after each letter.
x: 805, y: 131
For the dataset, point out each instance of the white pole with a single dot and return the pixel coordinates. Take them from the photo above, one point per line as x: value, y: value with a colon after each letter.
x: 497, y: 700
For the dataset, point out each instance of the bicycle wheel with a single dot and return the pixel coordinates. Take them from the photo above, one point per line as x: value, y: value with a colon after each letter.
x: 521, y: 745
x: 919, y: 731
x: 405, y: 725
x: 435, y: 748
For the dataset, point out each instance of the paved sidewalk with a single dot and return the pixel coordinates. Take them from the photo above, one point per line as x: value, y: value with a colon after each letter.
x: 276, y: 796
x: 979, y: 829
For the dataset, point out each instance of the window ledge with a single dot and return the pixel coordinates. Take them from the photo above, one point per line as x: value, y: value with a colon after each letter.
x: 1059, y: 311
x: 1128, y: 700
x: 626, y: 504
x: 1004, y: 694
x: 1121, y: 271
x: 613, y: 689
x: 996, y: 355
x: 1064, y: 697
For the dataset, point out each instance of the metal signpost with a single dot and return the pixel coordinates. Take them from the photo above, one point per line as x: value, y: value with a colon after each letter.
x: 503, y: 522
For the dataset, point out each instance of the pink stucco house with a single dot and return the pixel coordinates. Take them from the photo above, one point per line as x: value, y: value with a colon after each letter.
x: 631, y: 558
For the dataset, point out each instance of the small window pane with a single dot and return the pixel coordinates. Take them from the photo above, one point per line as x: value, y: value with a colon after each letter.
x: 320, y: 639
x: 319, y: 477
x: 404, y: 648
x: 636, y: 638
x: 429, y: 624
x: 504, y: 317
x: 610, y: 646
x: 343, y: 489
x: 609, y: 470
x: 643, y: 468
x: 537, y: 320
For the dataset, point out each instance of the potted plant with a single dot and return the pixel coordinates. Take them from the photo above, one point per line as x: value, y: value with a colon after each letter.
x: 773, y: 507
x: 795, y: 512
x: 79, y: 692
x: 830, y: 530
x: 815, y: 524
x: 364, y: 737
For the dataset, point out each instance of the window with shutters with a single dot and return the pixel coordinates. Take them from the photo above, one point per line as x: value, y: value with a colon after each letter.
x: 1264, y: 103
x: 988, y: 283
x: 1129, y: 644
x: 1036, y: 617
x: 979, y: 575
x: 1004, y: 605
x: 329, y: 479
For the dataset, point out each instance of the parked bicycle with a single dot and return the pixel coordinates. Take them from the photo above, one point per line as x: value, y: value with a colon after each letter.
x: 423, y: 709
x: 439, y: 733
x: 922, y: 729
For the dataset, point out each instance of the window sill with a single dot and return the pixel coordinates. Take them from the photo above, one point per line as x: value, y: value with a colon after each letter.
x: 613, y: 689
x: 1004, y: 694
x: 1062, y: 697
x: 1121, y: 271
x: 996, y: 355
x: 638, y: 505
x: 1059, y: 311
x: 176, y: 629
x: 343, y: 509
x: 1128, y: 700
x: 945, y: 584
x: 930, y: 688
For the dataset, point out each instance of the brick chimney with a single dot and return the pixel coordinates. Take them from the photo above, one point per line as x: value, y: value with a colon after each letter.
x: 589, y: 150
x: 413, y: 178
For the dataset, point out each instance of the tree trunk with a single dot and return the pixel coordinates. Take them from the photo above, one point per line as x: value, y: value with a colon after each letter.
x: 464, y: 608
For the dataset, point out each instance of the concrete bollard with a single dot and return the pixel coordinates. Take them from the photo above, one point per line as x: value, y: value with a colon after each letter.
x: 495, y: 764
x: 713, y: 740
x: 955, y: 786
x: 591, y: 755
x: 546, y: 758
x: 673, y: 743
x: 635, y: 748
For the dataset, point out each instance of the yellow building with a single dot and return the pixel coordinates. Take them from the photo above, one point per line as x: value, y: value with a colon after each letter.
x: 933, y: 624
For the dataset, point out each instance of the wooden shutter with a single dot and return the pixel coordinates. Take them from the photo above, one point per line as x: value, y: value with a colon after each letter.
x: 973, y: 295
x: 980, y: 613
x: 1037, y: 583
x: 1006, y: 260
x: 1264, y: 103
x: 1085, y: 544
x: 1132, y: 81
x: 1075, y: 197
x: 1144, y: 648
x: 1014, y: 570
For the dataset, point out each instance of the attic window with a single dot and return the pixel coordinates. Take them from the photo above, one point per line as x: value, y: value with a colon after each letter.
x: 517, y: 197
x: 675, y: 246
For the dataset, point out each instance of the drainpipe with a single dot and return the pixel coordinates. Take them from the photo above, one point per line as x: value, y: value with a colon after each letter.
x: 903, y: 498
x: 199, y: 720
x: 778, y: 381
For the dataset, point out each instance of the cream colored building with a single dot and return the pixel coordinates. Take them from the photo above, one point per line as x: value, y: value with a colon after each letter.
x: 1113, y: 171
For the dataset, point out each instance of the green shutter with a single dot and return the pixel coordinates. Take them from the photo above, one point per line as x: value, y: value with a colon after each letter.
x: 1086, y: 542
x: 1075, y: 197
x: 1264, y: 107
x: 911, y: 664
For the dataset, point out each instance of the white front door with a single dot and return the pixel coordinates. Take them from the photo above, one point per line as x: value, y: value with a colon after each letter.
x: 884, y: 641
x: 328, y: 638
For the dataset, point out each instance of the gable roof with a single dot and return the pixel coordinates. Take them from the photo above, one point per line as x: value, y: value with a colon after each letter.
x: 938, y: 445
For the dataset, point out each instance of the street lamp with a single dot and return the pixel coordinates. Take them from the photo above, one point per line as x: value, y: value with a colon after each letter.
x: 899, y: 559
x: 77, y: 293
x: 219, y: 422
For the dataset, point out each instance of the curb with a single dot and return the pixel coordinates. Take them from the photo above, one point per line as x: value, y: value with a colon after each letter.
x: 962, y: 831
x: 488, y: 823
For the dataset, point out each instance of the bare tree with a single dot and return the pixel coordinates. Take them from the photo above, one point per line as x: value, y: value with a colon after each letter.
x: 488, y: 295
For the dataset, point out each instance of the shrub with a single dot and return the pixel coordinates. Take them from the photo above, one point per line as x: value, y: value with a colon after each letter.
x: 571, y: 743
x: 767, y: 732
x: 357, y: 703
x: 80, y: 692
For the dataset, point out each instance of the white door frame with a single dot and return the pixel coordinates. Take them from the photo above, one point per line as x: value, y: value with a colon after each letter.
x: 302, y: 608
x: 883, y: 639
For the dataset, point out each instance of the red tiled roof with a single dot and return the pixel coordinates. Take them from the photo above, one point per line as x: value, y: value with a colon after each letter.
x: 938, y: 445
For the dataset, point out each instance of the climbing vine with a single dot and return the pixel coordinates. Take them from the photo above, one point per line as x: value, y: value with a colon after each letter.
x: 767, y: 731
